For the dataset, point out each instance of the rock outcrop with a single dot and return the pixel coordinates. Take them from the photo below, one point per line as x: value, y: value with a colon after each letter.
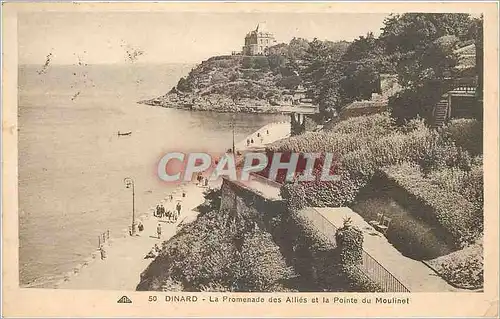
x: 253, y: 84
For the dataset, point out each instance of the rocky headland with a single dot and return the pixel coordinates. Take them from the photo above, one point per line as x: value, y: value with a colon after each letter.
x: 235, y: 83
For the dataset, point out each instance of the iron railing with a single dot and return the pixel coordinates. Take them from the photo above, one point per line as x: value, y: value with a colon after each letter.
x: 368, y: 266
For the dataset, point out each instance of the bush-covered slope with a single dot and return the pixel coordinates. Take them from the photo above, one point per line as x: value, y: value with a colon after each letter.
x: 367, y: 144
x: 217, y: 253
x: 232, y: 84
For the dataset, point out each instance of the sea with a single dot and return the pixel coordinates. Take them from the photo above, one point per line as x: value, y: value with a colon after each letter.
x: 72, y: 163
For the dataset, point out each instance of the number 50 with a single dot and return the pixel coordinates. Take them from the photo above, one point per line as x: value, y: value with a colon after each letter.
x: 152, y: 298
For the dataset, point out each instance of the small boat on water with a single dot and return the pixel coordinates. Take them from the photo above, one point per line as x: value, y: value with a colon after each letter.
x: 124, y: 133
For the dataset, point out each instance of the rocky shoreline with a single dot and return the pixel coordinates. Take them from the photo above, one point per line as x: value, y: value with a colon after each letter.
x: 215, y: 103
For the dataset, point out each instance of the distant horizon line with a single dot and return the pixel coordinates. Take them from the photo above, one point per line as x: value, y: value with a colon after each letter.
x: 107, y: 63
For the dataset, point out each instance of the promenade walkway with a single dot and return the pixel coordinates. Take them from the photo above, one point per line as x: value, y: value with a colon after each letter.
x: 414, y: 274
x: 125, y: 262
x: 125, y: 255
x: 261, y: 137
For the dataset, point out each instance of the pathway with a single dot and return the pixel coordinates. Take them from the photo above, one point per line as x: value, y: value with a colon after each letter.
x: 415, y: 275
x: 125, y: 256
x: 265, y: 135
x: 125, y: 262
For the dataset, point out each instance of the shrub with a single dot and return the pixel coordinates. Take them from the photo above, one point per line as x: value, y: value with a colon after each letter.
x: 445, y: 154
x: 218, y: 253
x: 451, y: 210
x: 289, y: 82
x: 262, y: 268
x: 212, y: 200
x: 332, y: 193
x: 219, y: 78
x: 466, y: 133
x: 184, y: 85
x: 468, y: 183
x: 463, y: 268
x: 295, y: 196
x: 358, y: 281
x: 378, y: 124
x: 350, y: 243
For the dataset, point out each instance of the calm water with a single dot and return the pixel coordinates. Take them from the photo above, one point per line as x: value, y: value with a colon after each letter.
x: 72, y: 163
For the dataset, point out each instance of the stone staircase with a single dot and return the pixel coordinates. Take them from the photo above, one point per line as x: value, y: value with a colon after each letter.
x: 463, y: 89
x: 440, y: 113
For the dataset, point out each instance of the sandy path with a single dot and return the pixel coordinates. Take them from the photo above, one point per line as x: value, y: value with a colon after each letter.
x: 125, y: 255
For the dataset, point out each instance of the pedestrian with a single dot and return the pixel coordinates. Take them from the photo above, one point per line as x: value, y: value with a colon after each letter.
x: 171, y: 197
x: 267, y: 131
x: 206, y: 181
x: 178, y: 207
x: 248, y: 142
x: 103, y: 252
x: 158, y: 230
x: 157, y: 212
x: 140, y: 227
x: 258, y: 134
x: 162, y: 209
x: 183, y: 194
x: 251, y: 141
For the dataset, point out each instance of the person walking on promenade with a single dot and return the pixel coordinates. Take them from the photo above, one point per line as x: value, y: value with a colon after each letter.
x: 171, y: 197
x: 178, y: 208
x: 267, y: 131
x: 251, y: 141
x: 162, y: 211
x: 158, y: 230
x: 103, y: 252
x: 248, y: 142
x: 157, y: 211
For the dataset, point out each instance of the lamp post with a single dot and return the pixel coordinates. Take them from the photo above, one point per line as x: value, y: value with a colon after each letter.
x: 129, y: 183
x: 234, y: 149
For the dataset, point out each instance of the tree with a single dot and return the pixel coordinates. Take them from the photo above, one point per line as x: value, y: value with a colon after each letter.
x: 414, y: 31
x: 297, y: 49
x: 322, y: 72
x: 422, y: 46
x: 290, y: 82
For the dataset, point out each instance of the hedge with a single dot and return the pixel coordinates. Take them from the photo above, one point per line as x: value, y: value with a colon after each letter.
x: 463, y: 268
x: 466, y: 133
x: 379, y: 124
x: 468, y: 183
x: 452, y: 211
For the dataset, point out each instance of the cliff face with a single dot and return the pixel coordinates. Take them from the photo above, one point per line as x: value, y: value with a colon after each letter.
x: 234, y: 84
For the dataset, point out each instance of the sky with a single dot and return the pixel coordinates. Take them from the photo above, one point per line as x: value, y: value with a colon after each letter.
x: 170, y: 37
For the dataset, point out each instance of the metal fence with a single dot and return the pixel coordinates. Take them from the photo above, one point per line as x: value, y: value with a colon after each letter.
x: 369, y: 265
